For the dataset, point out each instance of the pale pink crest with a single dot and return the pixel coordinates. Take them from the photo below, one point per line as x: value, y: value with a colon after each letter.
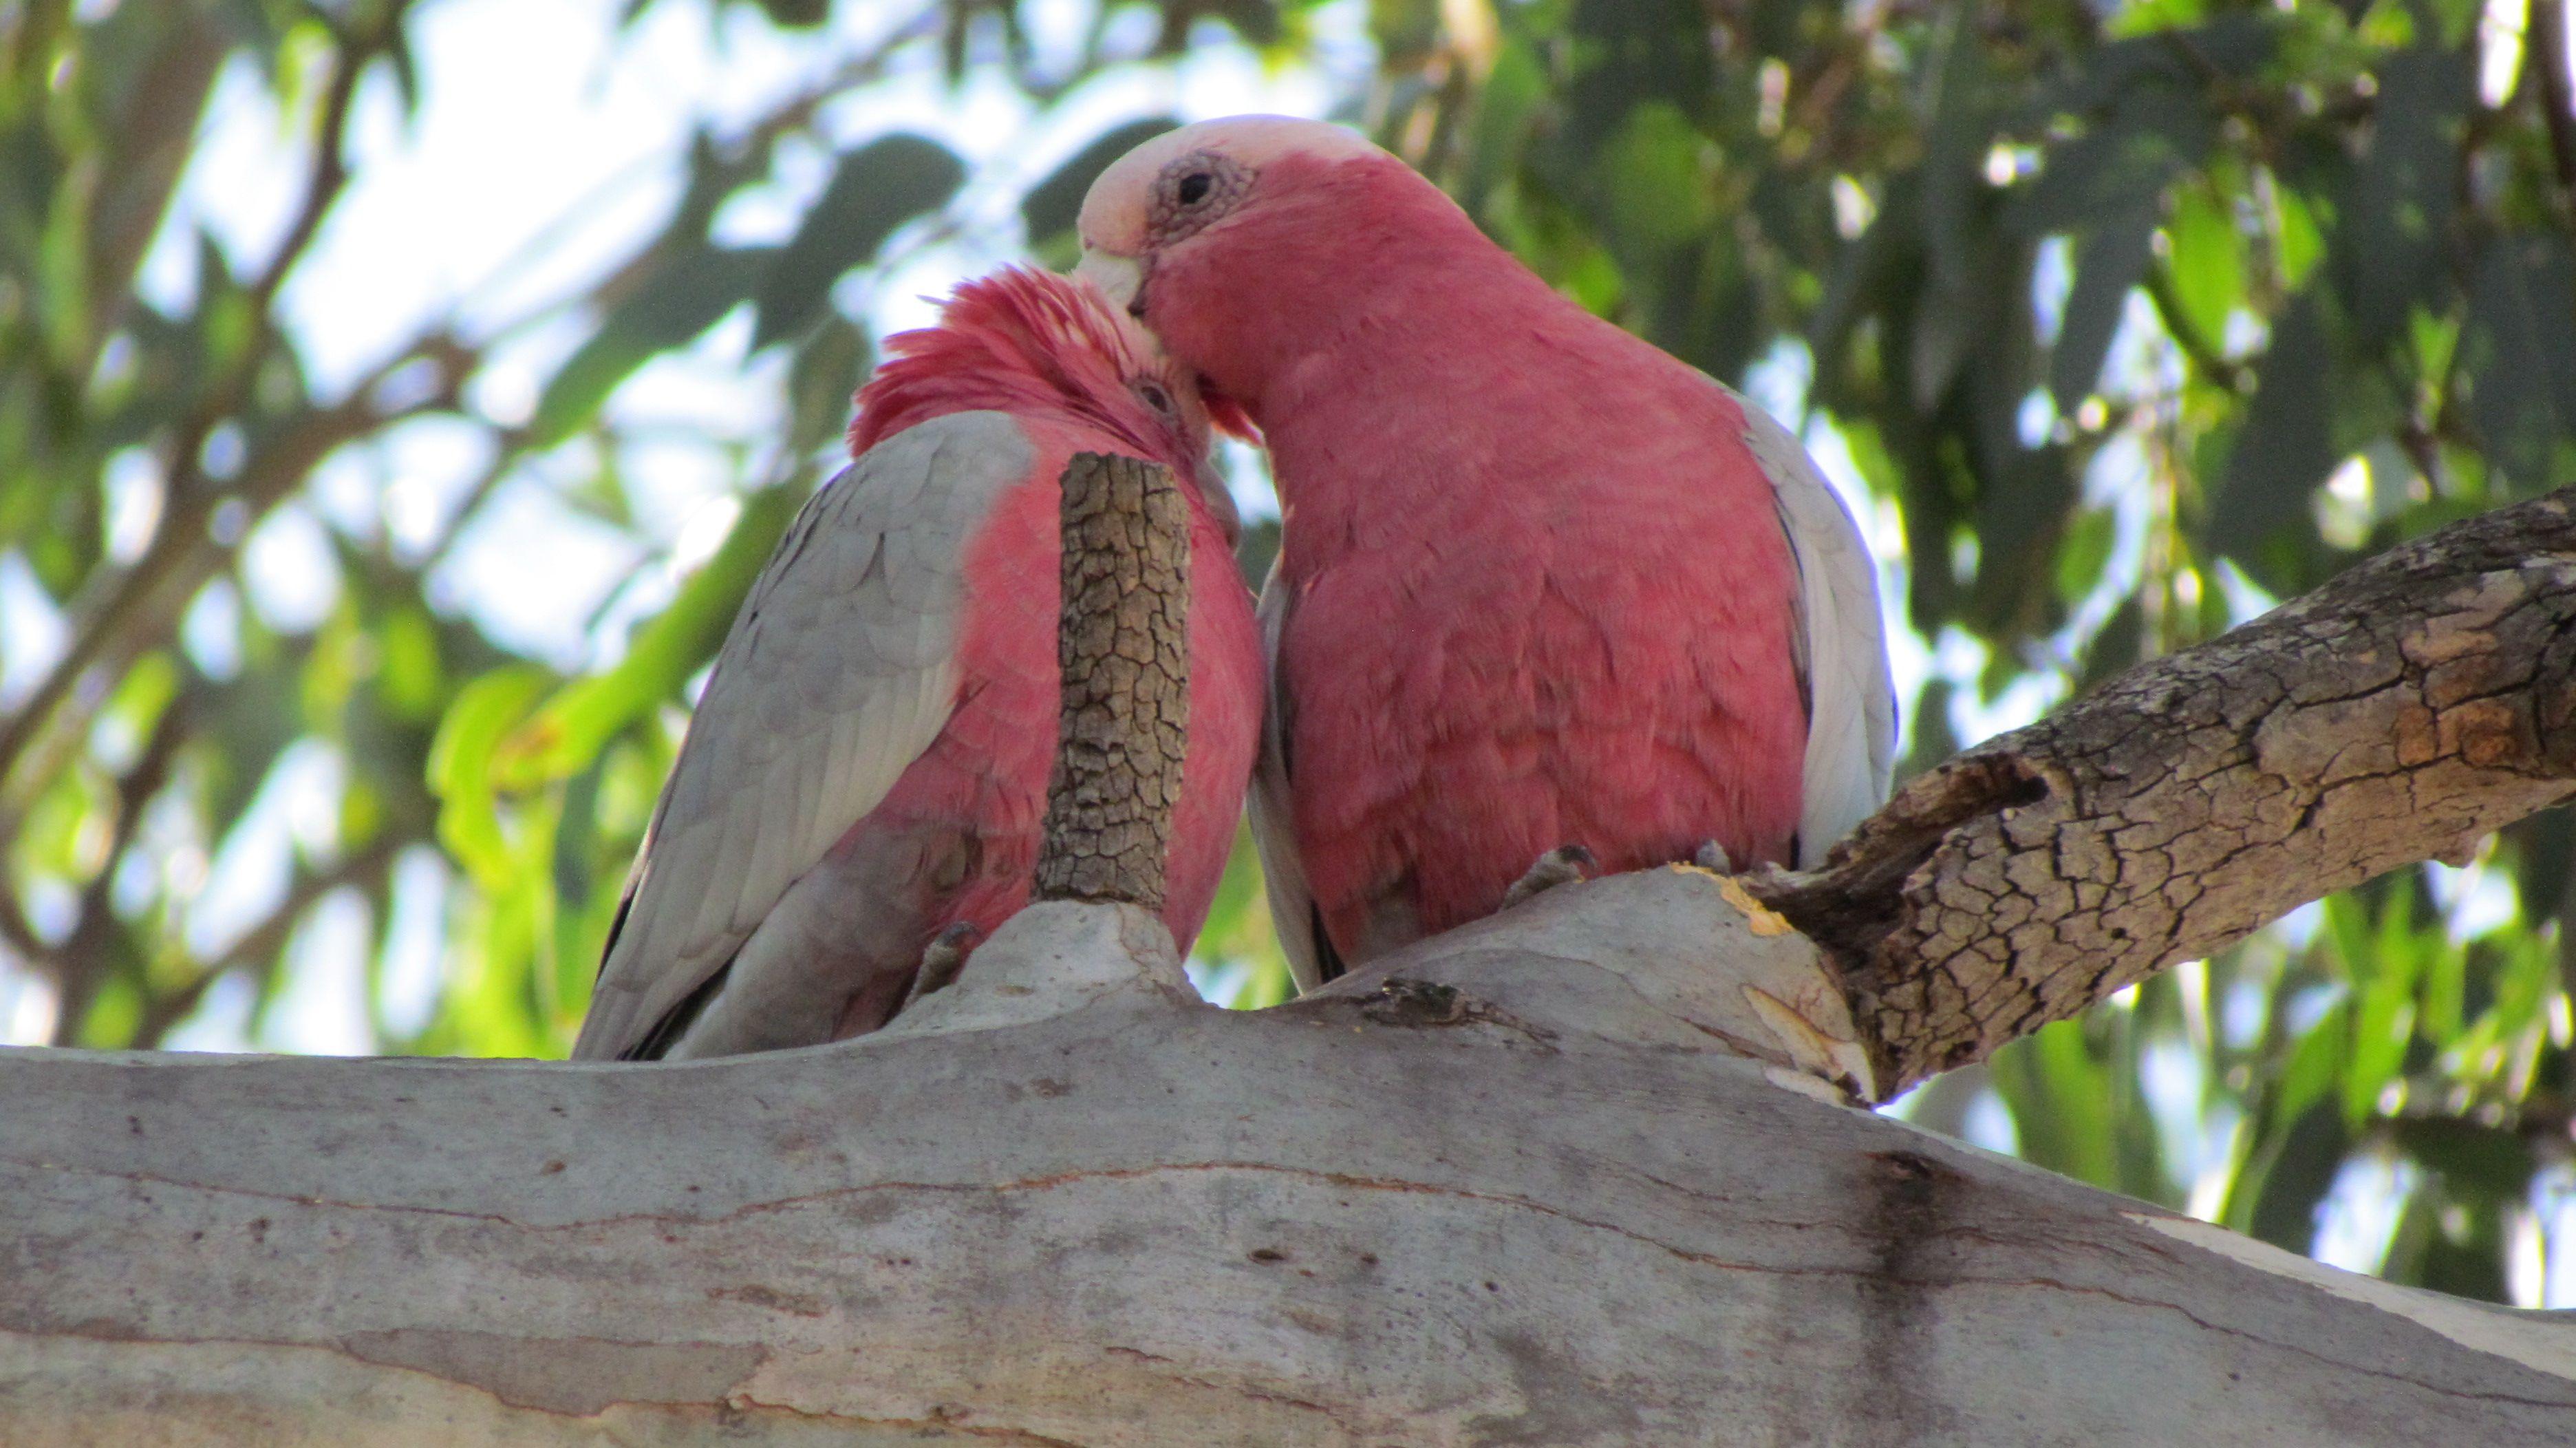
x: 1035, y: 343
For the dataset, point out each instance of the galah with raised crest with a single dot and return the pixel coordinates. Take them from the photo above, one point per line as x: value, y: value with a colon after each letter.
x: 864, y: 778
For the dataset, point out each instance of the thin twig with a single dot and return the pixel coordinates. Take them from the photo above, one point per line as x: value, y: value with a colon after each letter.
x: 18, y: 933
x: 81, y: 965
x: 2544, y: 56
x: 188, y: 505
x: 124, y: 609
x: 262, y: 943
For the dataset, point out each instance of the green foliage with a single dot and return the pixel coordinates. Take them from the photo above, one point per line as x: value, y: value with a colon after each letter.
x: 565, y: 735
x: 533, y: 785
x: 874, y: 190
x: 2125, y: 315
x: 1051, y: 207
x: 2099, y: 302
x: 671, y: 305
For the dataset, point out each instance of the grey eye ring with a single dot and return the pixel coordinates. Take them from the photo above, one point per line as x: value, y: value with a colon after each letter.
x: 1194, y: 191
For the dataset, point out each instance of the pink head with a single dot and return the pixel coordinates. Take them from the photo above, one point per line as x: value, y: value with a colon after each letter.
x: 1255, y: 243
x: 1031, y: 342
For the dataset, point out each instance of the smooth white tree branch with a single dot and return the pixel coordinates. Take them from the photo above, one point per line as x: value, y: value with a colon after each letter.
x: 1516, y: 1186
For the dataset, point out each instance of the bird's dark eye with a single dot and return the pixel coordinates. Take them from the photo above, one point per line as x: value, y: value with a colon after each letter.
x: 1155, y: 397
x: 1193, y: 191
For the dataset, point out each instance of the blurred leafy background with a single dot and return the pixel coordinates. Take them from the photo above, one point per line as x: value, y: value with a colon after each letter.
x: 396, y: 399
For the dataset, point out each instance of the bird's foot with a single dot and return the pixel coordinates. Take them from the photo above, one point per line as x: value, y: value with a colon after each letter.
x: 940, y: 962
x: 1711, y: 856
x: 1564, y: 865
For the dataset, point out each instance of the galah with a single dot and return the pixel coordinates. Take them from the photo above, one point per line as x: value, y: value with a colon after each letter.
x: 864, y: 778
x: 1544, y: 591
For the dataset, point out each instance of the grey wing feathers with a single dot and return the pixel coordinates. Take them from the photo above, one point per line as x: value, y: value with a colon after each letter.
x: 1839, y: 641
x: 837, y: 674
x: 1292, y: 908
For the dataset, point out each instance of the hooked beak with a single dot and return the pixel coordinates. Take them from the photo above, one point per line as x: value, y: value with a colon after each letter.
x: 1120, y: 278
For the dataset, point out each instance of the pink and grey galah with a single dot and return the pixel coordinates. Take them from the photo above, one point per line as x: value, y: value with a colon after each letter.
x: 864, y: 778
x: 1540, y: 584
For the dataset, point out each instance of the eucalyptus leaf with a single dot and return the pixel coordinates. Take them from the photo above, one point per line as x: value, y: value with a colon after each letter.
x: 1049, y: 208
x: 2109, y: 262
x: 2287, y: 444
x: 674, y: 303
x: 873, y: 191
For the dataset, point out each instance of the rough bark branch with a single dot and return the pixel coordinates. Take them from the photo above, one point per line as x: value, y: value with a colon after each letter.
x: 2400, y: 713
x: 1123, y: 646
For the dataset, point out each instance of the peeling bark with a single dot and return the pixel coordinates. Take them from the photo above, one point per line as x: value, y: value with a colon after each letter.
x: 1124, y: 649
x: 2401, y: 713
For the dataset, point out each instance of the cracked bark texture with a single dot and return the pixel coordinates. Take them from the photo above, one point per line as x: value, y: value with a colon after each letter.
x: 2400, y: 713
x: 1124, y: 649
x: 1512, y: 1187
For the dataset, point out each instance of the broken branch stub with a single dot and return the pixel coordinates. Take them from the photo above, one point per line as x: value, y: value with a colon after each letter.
x: 2402, y: 712
x: 1123, y: 646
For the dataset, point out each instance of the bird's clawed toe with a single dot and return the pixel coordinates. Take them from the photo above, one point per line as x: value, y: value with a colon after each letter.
x: 1711, y: 856
x: 940, y: 962
x: 1563, y: 865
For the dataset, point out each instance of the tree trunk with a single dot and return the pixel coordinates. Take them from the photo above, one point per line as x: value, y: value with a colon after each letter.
x: 1583, y: 1173
x: 1528, y: 1195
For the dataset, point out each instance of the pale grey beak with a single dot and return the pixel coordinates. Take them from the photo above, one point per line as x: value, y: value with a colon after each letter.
x: 1118, y: 277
